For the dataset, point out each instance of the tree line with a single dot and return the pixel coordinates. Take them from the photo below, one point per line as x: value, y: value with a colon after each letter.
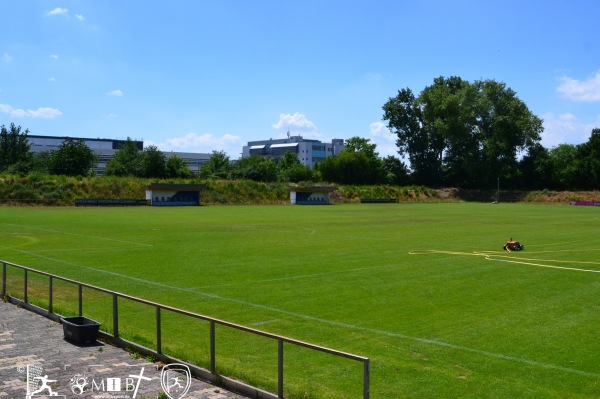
x: 469, y: 134
x: 453, y: 133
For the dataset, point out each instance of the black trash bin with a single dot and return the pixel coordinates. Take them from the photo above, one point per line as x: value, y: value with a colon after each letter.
x: 80, y: 330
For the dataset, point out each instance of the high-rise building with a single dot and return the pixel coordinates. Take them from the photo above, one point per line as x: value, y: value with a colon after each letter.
x: 309, y: 152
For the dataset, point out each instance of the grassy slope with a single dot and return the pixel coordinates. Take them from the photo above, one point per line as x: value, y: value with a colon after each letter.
x: 436, y: 325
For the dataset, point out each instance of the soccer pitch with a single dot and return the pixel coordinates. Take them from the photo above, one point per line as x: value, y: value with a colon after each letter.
x: 424, y: 290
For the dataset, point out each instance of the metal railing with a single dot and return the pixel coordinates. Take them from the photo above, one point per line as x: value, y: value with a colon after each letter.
x: 159, y: 308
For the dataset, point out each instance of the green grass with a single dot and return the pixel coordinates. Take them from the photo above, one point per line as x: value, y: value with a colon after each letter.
x: 435, y: 325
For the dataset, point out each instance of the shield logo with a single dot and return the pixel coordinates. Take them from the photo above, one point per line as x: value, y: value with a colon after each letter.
x: 175, y: 380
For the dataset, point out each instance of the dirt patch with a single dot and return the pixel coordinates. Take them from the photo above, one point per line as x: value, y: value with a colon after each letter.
x: 545, y: 196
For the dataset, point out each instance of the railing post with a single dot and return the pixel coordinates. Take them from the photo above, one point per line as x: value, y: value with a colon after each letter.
x: 366, y: 379
x: 80, y: 300
x: 280, y: 368
x: 158, y: 331
x: 115, y: 316
x: 50, y: 295
x: 3, y: 280
x: 25, y: 286
x: 213, y: 360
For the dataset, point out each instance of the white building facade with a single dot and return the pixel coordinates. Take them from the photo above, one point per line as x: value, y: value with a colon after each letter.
x: 309, y: 152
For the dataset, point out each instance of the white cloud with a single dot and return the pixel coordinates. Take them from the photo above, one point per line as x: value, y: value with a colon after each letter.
x: 79, y: 17
x: 296, y: 123
x: 58, y: 11
x: 379, y: 129
x: 51, y: 79
x: 40, y: 113
x: 584, y: 90
x: 385, y: 140
x: 566, y: 129
x: 54, y: 56
x: 116, y: 93
x: 204, y: 143
x: 371, y: 77
x: 7, y: 57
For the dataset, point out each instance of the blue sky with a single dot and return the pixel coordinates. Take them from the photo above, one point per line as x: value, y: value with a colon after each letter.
x: 198, y: 76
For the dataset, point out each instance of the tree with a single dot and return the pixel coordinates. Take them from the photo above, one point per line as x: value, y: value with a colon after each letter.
x: 255, y: 168
x: 357, y: 163
x: 588, y: 163
x: 562, y: 164
x: 350, y: 167
x: 73, y: 158
x: 15, y: 149
x: 507, y: 127
x: 41, y: 162
x: 153, y: 162
x: 356, y: 144
x: 217, y: 167
x: 461, y: 133
x: 290, y: 169
x: 177, y: 168
x: 535, y: 167
x: 395, y: 171
x: 127, y: 161
x: 423, y: 148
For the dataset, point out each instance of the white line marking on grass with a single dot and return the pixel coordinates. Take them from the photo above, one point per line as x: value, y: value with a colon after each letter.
x: 260, y: 323
x: 79, y: 235
x: 493, y: 256
x: 291, y: 277
x: 273, y: 227
x: 335, y: 323
x: 540, y: 265
x: 86, y: 249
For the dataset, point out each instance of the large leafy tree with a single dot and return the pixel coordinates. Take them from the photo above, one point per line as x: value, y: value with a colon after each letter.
x: 356, y: 144
x: 127, y: 161
x: 217, y: 167
x: 535, y: 167
x: 15, y: 150
x: 353, y: 167
x: 419, y: 142
x: 461, y: 133
x: 290, y: 169
x: 153, y: 162
x: 73, y: 158
x: 508, y: 129
x: 177, y: 168
x: 395, y: 171
x: 588, y: 163
x: 255, y: 168
x: 562, y: 161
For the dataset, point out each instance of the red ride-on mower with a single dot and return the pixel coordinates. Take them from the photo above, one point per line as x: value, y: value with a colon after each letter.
x: 513, y: 246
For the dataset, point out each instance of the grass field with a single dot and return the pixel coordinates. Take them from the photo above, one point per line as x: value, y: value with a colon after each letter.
x: 424, y: 290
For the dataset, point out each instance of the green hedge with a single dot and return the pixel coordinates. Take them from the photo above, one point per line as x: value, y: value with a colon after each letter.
x: 62, y: 190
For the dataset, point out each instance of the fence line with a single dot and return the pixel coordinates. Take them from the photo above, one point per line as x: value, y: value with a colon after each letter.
x: 160, y: 307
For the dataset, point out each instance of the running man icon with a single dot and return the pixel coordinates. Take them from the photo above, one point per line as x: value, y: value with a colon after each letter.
x: 44, y: 385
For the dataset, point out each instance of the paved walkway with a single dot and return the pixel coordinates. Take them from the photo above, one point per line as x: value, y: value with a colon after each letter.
x: 33, y: 346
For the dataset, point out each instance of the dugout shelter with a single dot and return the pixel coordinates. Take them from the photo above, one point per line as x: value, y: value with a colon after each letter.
x: 163, y: 194
x: 314, y: 195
